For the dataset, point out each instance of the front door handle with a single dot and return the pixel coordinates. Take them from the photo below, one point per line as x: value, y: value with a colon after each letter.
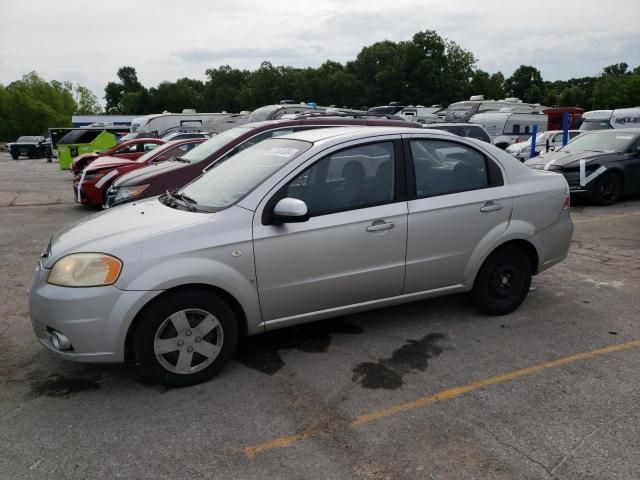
x: 490, y: 207
x: 379, y: 225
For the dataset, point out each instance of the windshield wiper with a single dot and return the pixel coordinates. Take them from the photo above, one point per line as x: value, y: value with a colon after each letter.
x: 188, y: 202
x: 179, y: 159
x: 178, y: 200
x: 186, y: 198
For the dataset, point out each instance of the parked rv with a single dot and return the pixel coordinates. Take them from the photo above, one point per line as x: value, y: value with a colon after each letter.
x: 618, y: 118
x: 164, y: 123
x: 463, y: 111
x: 626, y: 118
x: 507, y: 128
x: 220, y: 124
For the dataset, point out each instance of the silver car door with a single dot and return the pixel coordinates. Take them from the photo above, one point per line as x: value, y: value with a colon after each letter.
x: 351, y: 249
x: 457, y: 200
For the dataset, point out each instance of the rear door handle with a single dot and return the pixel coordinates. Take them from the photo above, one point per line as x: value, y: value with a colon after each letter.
x: 490, y: 207
x: 379, y: 225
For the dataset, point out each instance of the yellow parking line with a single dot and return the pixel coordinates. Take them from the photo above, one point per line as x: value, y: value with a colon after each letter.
x: 607, y: 217
x: 448, y: 394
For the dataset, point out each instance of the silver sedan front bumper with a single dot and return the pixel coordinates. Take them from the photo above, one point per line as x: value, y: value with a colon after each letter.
x: 95, y: 320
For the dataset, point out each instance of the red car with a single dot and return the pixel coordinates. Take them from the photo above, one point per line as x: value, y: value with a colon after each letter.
x: 91, y: 185
x: 131, y: 149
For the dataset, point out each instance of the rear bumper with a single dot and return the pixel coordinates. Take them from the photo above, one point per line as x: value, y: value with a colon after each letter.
x: 555, y: 241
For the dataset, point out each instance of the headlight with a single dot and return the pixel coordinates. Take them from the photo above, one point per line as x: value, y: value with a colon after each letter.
x: 96, y: 174
x: 125, y: 193
x: 85, y: 270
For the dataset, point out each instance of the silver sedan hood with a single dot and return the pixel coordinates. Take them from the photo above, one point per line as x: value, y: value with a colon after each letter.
x: 117, y: 231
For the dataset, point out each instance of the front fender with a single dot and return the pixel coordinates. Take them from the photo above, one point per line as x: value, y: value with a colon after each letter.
x: 238, y: 280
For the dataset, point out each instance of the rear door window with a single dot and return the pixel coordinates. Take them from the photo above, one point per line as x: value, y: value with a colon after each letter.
x: 442, y: 167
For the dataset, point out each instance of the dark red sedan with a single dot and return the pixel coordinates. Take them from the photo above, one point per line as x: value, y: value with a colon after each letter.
x: 131, y: 150
x: 90, y: 186
x: 148, y: 182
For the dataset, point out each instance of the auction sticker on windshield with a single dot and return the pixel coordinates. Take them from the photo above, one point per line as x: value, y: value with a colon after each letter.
x: 282, y: 152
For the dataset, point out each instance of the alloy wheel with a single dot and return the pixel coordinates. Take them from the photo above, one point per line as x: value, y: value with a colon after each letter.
x: 188, y: 341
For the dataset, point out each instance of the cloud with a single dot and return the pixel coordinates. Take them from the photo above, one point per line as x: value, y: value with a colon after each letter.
x: 169, y: 40
x: 200, y: 55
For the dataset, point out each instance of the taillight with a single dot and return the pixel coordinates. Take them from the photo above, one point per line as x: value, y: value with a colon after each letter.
x: 567, y: 202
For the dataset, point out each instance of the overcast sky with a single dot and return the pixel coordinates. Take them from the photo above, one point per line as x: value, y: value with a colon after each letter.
x: 87, y: 41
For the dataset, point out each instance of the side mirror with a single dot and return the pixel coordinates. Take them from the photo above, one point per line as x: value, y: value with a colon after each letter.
x: 289, y: 210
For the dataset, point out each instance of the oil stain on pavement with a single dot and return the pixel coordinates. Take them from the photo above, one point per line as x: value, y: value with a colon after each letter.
x: 61, y: 386
x: 262, y: 352
x: 388, y: 373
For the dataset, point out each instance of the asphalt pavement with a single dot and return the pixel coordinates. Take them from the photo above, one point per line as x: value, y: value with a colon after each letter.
x: 429, y: 390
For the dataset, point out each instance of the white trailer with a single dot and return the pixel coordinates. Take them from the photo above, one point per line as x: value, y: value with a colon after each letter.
x: 463, y: 111
x: 626, y: 118
x: 163, y: 123
x: 507, y: 127
x: 618, y: 118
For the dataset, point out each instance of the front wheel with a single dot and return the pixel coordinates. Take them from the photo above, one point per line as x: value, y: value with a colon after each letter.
x: 607, y: 189
x: 15, y: 156
x: 185, y: 338
x: 502, y: 282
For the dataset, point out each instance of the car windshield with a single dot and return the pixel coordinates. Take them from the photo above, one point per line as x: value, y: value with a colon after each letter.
x: 606, y: 141
x: 27, y: 140
x: 540, y: 138
x: 153, y: 152
x: 594, y: 125
x: 205, y: 149
x: 229, y: 181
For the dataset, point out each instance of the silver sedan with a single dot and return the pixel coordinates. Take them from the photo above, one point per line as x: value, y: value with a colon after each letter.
x: 297, y: 228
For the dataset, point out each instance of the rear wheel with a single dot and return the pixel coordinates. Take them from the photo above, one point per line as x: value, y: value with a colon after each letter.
x: 502, y: 282
x: 607, y: 189
x: 185, y: 338
x: 15, y: 156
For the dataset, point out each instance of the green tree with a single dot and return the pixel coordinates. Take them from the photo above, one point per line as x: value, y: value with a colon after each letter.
x: 526, y: 84
x: 31, y: 105
x: 489, y: 85
x: 127, y: 96
x: 87, y: 103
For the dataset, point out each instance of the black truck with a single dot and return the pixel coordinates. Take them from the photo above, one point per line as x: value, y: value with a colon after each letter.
x: 32, y: 147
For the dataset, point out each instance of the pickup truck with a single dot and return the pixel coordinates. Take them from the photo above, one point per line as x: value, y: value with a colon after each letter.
x: 29, y: 146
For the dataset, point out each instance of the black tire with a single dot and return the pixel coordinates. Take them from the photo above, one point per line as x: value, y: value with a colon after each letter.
x: 15, y: 156
x: 502, y: 282
x: 607, y: 189
x: 154, y: 320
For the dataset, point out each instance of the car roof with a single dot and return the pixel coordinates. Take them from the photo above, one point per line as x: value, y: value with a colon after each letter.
x: 316, y: 135
x: 453, y: 124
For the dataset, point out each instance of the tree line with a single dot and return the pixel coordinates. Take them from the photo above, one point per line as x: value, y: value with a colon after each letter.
x: 426, y: 70
x: 31, y: 105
